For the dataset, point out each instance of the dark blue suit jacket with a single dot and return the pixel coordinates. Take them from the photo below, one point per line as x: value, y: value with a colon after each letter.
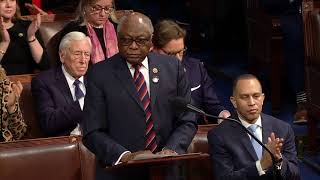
x: 202, y: 88
x: 234, y: 157
x: 56, y: 111
x: 114, y: 116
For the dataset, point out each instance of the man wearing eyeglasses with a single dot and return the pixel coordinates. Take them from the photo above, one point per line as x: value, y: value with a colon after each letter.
x: 169, y: 39
x: 127, y: 107
x: 59, y: 93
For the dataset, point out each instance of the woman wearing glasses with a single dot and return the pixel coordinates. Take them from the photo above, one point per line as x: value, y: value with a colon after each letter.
x: 93, y: 20
x: 168, y: 39
x: 21, y: 47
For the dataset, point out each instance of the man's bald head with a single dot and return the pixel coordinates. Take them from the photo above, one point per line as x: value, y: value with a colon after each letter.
x: 135, y: 20
x: 134, y: 37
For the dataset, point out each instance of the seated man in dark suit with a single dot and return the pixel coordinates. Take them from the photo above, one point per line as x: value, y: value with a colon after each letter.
x: 59, y: 93
x: 127, y: 106
x: 169, y: 39
x: 236, y: 155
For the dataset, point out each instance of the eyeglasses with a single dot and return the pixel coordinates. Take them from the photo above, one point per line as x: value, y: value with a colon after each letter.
x: 98, y: 9
x: 139, y: 41
x: 79, y: 54
x: 179, y: 53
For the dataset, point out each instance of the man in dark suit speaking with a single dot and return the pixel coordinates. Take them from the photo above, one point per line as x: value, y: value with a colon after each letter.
x: 127, y: 107
x: 235, y: 155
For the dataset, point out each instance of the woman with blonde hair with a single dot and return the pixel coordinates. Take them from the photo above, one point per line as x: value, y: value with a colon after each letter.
x: 12, y: 126
x: 21, y: 47
x: 93, y: 20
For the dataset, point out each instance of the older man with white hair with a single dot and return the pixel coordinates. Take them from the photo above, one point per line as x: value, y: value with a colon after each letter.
x: 59, y: 93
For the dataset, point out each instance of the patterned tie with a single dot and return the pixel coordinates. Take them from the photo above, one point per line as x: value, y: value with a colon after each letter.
x: 257, y: 147
x: 77, y: 91
x: 145, y: 100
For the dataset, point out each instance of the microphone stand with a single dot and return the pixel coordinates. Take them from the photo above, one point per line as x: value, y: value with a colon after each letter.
x: 275, y: 171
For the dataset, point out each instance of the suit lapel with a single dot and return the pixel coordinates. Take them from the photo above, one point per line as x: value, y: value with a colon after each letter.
x: 85, y: 80
x: 266, y: 129
x: 63, y: 85
x: 154, y: 79
x: 245, y: 140
x: 122, y: 72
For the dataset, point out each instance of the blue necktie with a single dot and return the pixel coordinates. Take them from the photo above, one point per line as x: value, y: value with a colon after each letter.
x: 257, y: 147
x: 77, y: 91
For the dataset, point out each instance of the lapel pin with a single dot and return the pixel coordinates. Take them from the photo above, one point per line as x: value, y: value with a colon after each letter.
x: 155, y: 70
x: 185, y: 70
x: 20, y: 34
x: 155, y: 79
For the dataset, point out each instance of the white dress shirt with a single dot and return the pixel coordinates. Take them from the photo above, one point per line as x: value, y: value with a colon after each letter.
x: 259, y: 136
x: 70, y: 81
x: 144, y: 69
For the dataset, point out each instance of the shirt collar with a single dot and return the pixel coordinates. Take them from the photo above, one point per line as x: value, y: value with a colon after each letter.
x: 144, y: 63
x: 246, y: 124
x: 70, y: 79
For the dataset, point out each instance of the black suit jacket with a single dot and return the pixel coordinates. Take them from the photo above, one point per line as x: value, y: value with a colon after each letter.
x: 114, y: 116
x: 233, y: 156
x: 55, y: 109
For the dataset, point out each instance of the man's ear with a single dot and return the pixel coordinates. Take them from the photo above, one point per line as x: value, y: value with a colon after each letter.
x: 62, y: 55
x: 152, y: 49
x: 262, y: 96
x: 233, y: 101
x: 151, y: 43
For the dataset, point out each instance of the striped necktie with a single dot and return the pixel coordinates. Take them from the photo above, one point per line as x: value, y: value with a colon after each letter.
x: 145, y: 100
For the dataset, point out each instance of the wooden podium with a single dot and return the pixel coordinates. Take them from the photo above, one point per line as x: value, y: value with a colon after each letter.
x: 157, y: 165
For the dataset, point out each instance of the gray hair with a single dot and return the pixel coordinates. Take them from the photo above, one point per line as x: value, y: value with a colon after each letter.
x: 146, y: 19
x: 70, y: 37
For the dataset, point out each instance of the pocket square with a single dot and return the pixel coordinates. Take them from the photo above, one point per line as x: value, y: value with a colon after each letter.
x: 195, y: 88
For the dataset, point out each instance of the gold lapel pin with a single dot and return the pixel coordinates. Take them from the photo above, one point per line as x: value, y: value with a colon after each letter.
x: 155, y: 70
x: 20, y: 34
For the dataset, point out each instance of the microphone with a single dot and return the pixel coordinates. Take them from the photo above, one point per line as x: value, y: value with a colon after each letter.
x: 182, y: 104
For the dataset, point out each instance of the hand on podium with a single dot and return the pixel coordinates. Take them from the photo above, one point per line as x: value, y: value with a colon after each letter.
x: 166, y: 151
x: 130, y: 156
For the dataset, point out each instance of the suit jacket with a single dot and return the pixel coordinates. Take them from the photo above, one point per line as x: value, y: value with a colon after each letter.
x: 234, y: 157
x: 55, y: 108
x: 115, y: 118
x: 202, y: 88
